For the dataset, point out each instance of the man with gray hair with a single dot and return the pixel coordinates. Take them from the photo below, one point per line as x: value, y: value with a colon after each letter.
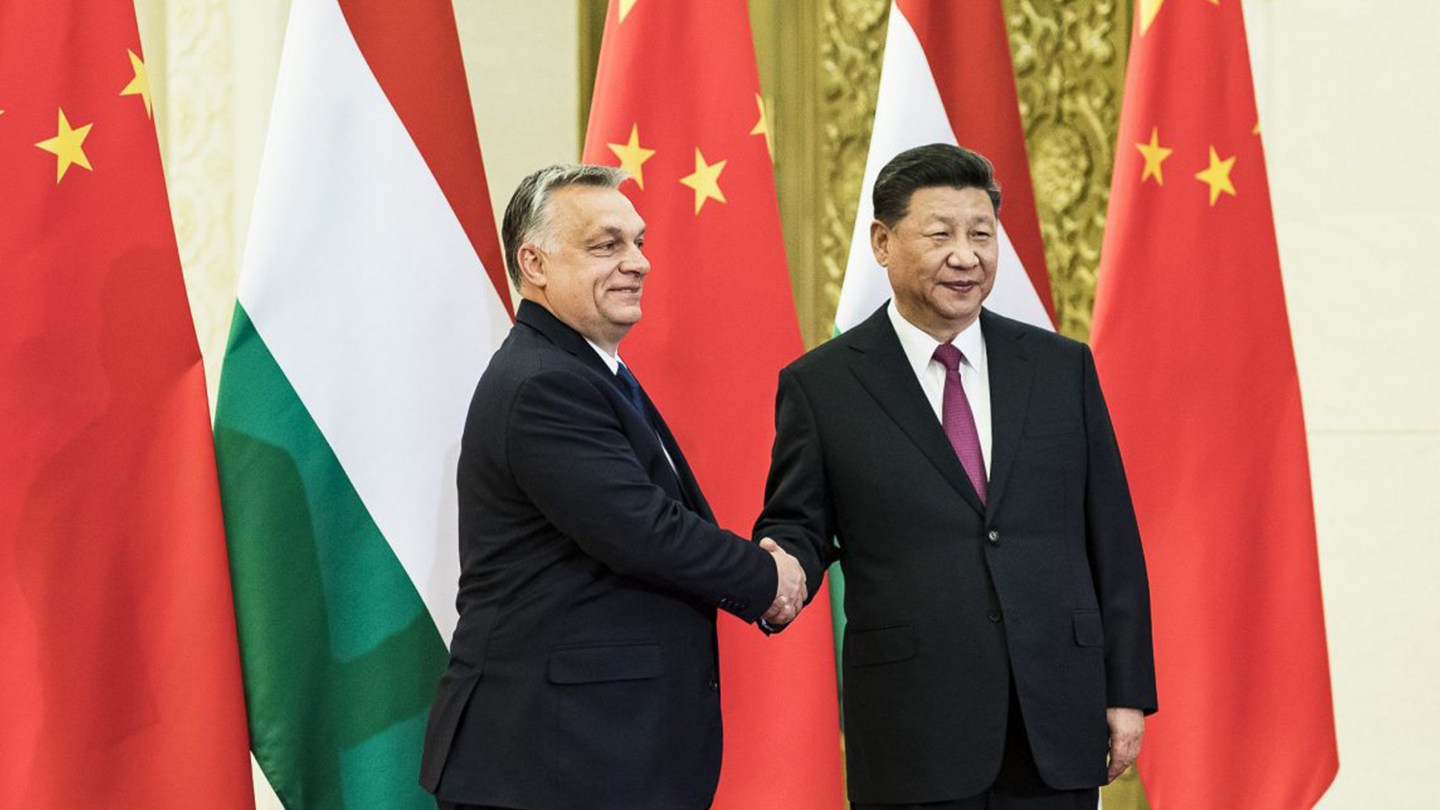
x: 583, y: 671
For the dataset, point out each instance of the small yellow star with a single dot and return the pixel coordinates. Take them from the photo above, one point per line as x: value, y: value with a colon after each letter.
x: 1148, y: 10
x: 632, y: 155
x: 625, y: 6
x: 762, y: 127
x: 1218, y: 176
x: 140, y: 85
x: 67, y: 146
x: 705, y: 181
x: 1155, y: 155
x: 1256, y: 130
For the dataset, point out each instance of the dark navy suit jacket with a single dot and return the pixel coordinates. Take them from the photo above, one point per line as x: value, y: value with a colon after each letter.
x: 583, y: 670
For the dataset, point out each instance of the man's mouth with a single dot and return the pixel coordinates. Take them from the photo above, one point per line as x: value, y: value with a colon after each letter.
x: 960, y: 286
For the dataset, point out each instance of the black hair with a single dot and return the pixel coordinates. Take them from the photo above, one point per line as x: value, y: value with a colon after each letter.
x: 931, y: 166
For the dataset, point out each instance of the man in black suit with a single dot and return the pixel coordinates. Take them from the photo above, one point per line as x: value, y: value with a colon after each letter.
x: 583, y: 671
x: 963, y: 469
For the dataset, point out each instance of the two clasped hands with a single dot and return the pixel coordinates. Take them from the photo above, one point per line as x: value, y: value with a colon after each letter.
x: 791, y: 590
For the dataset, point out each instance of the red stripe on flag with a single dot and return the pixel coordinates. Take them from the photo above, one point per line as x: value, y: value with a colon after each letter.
x: 428, y: 90
x: 1192, y: 342
x: 968, y: 48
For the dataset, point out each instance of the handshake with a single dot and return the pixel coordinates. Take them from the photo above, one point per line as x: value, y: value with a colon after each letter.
x: 791, y: 590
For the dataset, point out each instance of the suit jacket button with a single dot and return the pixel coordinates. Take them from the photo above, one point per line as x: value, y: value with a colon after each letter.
x: 994, y: 537
x: 714, y: 684
x: 993, y: 616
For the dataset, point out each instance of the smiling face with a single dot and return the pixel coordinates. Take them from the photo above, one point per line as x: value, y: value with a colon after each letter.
x: 588, y: 268
x: 941, y: 257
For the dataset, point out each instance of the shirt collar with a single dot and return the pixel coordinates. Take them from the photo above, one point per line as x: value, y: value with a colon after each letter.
x: 920, y: 347
x: 612, y: 361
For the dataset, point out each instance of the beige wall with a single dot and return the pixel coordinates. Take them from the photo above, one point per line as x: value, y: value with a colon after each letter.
x: 1350, y: 121
x: 1345, y: 89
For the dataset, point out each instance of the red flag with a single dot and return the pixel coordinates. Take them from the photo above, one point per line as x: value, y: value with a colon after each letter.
x: 677, y: 103
x: 1193, y: 346
x: 121, y: 682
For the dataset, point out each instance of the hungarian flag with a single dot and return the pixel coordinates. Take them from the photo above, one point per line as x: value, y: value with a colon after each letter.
x: 121, y: 681
x: 1193, y: 347
x: 948, y: 78
x: 371, y: 298
x: 677, y: 104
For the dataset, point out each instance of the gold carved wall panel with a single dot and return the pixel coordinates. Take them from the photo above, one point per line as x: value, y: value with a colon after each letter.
x: 1069, y: 72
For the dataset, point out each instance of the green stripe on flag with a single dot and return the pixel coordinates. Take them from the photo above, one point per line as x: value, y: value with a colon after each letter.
x: 340, y: 656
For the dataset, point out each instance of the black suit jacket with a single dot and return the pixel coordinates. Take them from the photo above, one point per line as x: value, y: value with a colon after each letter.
x: 948, y: 598
x: 583, y: 670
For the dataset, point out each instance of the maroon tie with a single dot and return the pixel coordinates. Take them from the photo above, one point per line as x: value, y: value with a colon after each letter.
x: 959, y: 420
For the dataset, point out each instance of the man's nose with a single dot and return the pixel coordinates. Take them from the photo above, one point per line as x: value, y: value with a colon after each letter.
x: 635, y: 262
x: 963, y: 257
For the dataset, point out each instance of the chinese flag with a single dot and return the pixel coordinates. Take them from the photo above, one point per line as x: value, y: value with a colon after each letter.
x: 1193, y: 347
x: 677, y: 104
x: 120, y: 686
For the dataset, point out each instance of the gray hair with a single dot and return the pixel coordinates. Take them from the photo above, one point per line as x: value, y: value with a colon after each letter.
x: 527, y: 217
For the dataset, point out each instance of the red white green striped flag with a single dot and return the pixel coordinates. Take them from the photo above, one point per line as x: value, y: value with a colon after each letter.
x: 371, y: 298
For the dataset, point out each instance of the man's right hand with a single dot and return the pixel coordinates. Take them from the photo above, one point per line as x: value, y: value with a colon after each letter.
x: 790, y: 590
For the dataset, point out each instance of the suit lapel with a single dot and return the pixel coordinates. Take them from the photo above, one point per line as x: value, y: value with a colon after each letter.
x: 1011, y: 376
x: 689, y: 485
x: 680, y: 479
x: 886, y: 374
x: 559, y: 333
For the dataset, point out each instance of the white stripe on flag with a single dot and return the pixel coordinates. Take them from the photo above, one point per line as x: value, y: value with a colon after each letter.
x: 362, y: 283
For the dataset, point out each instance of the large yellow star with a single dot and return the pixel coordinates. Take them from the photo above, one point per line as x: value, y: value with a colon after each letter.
x: 705, y: 181
x: 67, y: 146
x: 1155, y: 155
x: 632, y: 155
x: 140, y: 85
x: 625, y: 6
x: 762, y: 127
x: 1148, y: 10
x: 1218, y: 176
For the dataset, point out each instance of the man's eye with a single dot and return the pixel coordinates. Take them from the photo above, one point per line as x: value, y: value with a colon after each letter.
x: 639, y: 243
x: 605, y: 246
x: 982, y: 235
x: 940, y: 235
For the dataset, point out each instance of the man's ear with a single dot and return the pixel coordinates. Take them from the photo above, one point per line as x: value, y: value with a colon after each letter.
x: 880, y: 242
x: 532, y: 266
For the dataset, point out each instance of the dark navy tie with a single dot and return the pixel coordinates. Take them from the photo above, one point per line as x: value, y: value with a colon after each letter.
x: 632, y: 389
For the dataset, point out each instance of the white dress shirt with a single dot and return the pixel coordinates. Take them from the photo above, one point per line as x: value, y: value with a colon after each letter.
x: 612, y: 361
x: 974, y: 373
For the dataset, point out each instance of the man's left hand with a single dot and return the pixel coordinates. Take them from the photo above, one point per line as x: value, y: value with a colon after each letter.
x: 1127, y: 726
